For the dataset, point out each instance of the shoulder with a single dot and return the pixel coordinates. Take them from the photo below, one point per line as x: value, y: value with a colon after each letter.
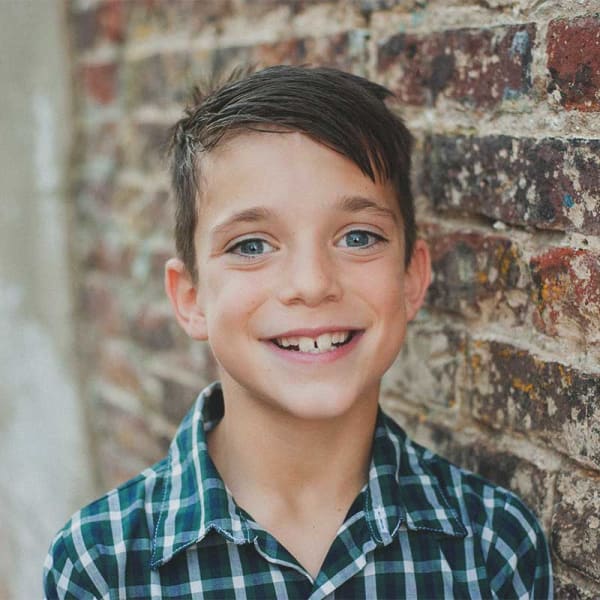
x: 86, y: 555
x: 505, y: 533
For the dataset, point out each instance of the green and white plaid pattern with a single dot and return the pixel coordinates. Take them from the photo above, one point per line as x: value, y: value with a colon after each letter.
x: 420, y: 528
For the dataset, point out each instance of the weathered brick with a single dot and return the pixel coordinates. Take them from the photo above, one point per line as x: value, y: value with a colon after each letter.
x: 159, y: 79
x: 100, y: 81
x: 126, y: 442
x: 476, y: 67
x: 154, y: 18
x: 576, y: 523
x: 345, y: 50
x: 574, y: 61
x: 166, y: 78
x: 567, y: 293
x: 128, y: 430
x: 568, y: 590
x: 253, y: 9
x: 98, y: 305
x: 369, y: 6
x: 513, y: 390
x: 426, y: 369
x: 530, y: 482
x: 104, y: 22
x: 154, y: 327
x: 145, y: 146
x: 550, y: 183
x: 101, y: 141
x: 473, y: 272
x: 117, y: 366
x: 108, y: 254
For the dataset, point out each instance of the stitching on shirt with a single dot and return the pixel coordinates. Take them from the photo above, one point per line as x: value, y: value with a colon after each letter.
x: 369, y: 505
x: 153, y: 562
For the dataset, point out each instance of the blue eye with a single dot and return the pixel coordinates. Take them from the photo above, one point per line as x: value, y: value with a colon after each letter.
x: 360, y: 239
x: 251, y: 247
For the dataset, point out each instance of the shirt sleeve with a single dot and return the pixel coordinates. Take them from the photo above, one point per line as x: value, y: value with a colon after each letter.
x: 518, y: 559
x: 61, y: 579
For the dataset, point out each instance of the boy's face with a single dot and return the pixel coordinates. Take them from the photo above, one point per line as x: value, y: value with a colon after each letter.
x: 297, y: 247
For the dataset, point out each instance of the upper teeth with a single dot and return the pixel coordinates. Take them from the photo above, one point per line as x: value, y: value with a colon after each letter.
x: 322, y: 343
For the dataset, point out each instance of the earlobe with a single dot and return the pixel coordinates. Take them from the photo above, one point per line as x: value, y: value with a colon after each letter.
x: 417, y: 278
x: 185, y: 301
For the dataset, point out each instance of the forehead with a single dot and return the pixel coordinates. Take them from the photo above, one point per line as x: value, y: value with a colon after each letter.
x: 287, y: 169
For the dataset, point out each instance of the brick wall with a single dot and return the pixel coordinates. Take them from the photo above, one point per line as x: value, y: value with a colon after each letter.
x: 502, y: 369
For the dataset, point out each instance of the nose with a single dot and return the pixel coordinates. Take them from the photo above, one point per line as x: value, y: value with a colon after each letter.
x: 310, y: 277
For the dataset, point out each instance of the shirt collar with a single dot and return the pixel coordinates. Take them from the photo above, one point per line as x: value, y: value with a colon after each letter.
x: 403, y: 490
x: 400, y: 490
x: 195, y: 499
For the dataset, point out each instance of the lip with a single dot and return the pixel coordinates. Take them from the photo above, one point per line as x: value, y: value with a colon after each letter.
x: 309, y: 358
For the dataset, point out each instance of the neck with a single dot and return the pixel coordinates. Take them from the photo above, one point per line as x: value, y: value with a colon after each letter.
x: 266, y: 456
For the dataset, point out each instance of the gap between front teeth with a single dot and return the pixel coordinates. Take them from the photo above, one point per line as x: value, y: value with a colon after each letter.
x: 322, y: 343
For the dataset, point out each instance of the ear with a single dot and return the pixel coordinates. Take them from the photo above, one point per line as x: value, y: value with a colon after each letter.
x: 185, y: 300
x: 417, y: 278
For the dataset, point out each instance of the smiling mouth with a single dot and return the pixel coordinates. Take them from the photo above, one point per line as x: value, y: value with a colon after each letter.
x: 323, y: 343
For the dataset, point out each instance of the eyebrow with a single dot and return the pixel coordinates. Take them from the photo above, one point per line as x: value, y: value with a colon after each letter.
x: 352, y: 204
x: 249, y: 215
x: 359, y: 203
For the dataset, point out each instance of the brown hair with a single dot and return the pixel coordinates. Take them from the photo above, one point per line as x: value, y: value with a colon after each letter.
x: 345, y: 112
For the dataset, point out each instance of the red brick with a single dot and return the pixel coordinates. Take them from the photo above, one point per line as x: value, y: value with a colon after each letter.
x: 98, y: 306
x: 154, y: 328
x: 476, y: 67
x: 426, y: 370
x: 117, y: 366
x: 100, y: 141
x: 470, y: 269
x: 346, y: 51
x: 127, y: 443
x: 513, y: 390
x: 102, y: 23
x: 167, y: 78
x: 567, y: 293
x: 100, y: 82
x: 108, y: 255
x: 369, y: 6
x: 148, y: 18
x: 159, y: 79
x: 576, y: 523
x: 182, y: 375
x: 574, y: 62
x: 145, y: 146
x: 482, y: 456
x: 550, y: 183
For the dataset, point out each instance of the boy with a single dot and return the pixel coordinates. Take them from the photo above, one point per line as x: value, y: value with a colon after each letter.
x: 299, y: 264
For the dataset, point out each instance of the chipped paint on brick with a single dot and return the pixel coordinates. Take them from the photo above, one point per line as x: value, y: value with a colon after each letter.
x: 517, y: 180
x: 474, y: 273
x: 574, y: 62
x: 471, y: 66
x: 567, y: 293
x: 575, y: 535
x: 515, y: 390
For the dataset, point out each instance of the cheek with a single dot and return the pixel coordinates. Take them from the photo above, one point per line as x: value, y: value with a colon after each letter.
x: 232, y: 300
x: 385, y: 289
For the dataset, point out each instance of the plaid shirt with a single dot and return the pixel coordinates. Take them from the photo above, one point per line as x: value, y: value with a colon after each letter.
x: 420, y: 528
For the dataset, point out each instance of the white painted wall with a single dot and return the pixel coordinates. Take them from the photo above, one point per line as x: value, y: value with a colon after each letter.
x: 46, y: 469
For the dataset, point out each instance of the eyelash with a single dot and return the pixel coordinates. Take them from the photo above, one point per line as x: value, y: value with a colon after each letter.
x: 231, y: 249
x: 378, y: 239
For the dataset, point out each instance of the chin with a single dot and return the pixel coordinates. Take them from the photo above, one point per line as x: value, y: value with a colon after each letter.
x: 321, y: 404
